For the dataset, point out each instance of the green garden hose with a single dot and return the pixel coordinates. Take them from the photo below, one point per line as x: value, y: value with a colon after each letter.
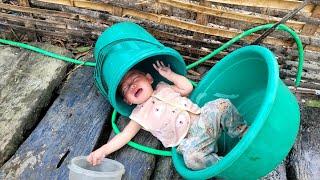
x: 46, y: 53
x: 221, y: 48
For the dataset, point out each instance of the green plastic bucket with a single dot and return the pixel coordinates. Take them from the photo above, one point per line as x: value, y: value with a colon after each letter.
x: 122, y: 47
x: 249, y: 77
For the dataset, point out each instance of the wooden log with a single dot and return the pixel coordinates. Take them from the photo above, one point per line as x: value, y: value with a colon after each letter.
x: 229, y: 13
x: 26, y: 87
x: 181, y: 38
x: 279, y: 173
x: 161, y: 19
x: 190, y: 52
x: 151, y: 6
x: 275, y: 4
x: 107, y: 18
x: 59, y: 20
x: 304, y: 84
x: 86, y: 30
x: 310, y: 76
x: 30, y: 20
x: 305, y: 39
x: 138, y: 164
x: 271, y: 12
x: 70, y: 128
x: 307, y: 65
x: 304, y: 158
x: 8, y: 28
x: 24, y: 2
x: 310, y: 29
x: 44, y: 12
x: 165, y: 170
x: 202, y: 19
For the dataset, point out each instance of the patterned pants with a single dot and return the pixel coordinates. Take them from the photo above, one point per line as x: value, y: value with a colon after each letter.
x: 199, y: 147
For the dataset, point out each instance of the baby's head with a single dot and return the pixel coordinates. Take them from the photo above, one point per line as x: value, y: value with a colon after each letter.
x: 136, y: 87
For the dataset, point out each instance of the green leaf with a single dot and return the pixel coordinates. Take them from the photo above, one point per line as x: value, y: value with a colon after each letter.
x: 82, y: 49
x: 313, y: 103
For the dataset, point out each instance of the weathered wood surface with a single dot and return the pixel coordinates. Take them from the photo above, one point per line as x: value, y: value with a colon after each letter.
x: 304, y: 159
x: 160, y: 19
x: 26, y: 85
x: 178, y: 39
x: 85, y: 25
x: 77, y: 117
x: 165, y: 170
x: 138, y: 165
x: 71, y: 27
x: 277, y: 174
x: 70, y: 128
x: 166, y: 20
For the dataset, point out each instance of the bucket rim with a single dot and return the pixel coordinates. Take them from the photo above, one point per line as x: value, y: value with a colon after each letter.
x: 254, y: 129
x: 77, y: 169
x: 100, y: 43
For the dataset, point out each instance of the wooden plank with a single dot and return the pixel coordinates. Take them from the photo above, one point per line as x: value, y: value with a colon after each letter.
x: 8, y: 28
x: 60, y: 32
x: 9, y: 62
x: 54, y: 25
x: 271, y: 12
x: 210, y: 30
x: 279, y: 173
x: 63, y: 2
x: 52, y: 13
x: 275, y: 4
x: 70, y: 128
x: 80, y: 32
x: 310, y: 29
x: 161, y: 19
x: 201, y: 19
x: 24, y: 2
x: 221, y: 12
x: 311, y: 76
x: 312, y: 48
x: 27, y: 83
x: 181, y: 39
x: 305, y: 155
x: 309, y: 85
x: 138, y: 165
x: 165, y: 170
x: 30, y: 20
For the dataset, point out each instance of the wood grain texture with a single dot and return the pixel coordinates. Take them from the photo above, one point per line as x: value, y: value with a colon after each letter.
x: 70, y: 128
x: 304, y: 159
x: 138, y: 164
x: 165, y: 170
x: 26, y: 85
x: 278, y: 173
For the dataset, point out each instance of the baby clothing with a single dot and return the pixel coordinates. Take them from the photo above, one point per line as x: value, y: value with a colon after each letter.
x: 177, y: 121
x: 199, y: 147
x: 166, y: 115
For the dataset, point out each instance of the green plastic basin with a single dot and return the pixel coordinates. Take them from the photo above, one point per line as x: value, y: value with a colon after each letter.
x: 249, y: 77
